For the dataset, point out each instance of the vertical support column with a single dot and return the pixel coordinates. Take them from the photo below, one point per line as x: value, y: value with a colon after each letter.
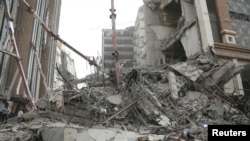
x: 238, y: 82
x: 227, y: 33
x: 204, y: 25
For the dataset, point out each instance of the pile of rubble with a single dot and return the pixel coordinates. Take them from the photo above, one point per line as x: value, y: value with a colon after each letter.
x: 171, y: 102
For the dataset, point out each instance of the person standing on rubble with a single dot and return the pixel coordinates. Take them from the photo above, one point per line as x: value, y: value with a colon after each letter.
x: 5, y: 114
x: 20, y: 116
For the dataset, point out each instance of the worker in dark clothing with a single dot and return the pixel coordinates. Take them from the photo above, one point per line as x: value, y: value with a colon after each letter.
x: 5, y: 114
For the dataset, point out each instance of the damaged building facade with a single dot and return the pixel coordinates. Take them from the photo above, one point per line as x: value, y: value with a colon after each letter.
x: 36, y: 48
x: 182, y: 29
x: 65, y: 68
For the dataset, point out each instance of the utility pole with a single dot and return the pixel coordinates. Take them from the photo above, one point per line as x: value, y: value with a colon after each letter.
x: 115, y: 52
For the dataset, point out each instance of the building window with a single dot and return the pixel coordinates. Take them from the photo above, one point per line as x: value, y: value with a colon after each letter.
x: 239, y: 16
x: 214, y: 20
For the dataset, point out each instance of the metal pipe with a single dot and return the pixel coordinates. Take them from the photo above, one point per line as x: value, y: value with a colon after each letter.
x: 40, y: 69
x: 115, y: 53
x: 6, y: 42
x: 10, y: 53
x: 56, y: 37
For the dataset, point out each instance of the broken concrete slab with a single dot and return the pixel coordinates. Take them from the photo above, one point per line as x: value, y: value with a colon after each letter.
x: 188, y: 70
x: 114, y: 99
x: 194, y: 95
x: 224, y: 73
x: 191, y: 44
x: 164, y: 121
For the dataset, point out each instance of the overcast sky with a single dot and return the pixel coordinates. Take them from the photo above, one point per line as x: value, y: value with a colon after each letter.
x: 81, y: 22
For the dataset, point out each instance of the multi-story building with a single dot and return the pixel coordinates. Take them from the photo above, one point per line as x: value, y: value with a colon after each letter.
x: 125, y: 45
x: 187, y: 28
x: 29, y: 34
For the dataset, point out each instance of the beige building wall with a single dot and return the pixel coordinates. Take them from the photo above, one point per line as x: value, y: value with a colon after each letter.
x: 30, y: 34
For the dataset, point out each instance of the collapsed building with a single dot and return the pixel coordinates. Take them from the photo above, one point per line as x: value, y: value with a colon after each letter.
x: 178, y: 30
x: 190, y: 73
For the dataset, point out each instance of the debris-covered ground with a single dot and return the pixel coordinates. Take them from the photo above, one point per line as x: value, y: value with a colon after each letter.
x: 170, y: 102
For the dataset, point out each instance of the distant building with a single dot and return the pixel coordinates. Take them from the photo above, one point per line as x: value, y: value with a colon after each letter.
x: 29, y: 34
x: 125, y: 45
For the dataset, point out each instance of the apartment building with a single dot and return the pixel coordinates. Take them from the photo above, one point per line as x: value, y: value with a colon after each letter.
x: 125, y: 45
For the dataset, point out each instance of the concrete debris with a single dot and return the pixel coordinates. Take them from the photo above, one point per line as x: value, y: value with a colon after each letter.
x: 171, y: 102
x: 191, y: 72
x: 56, y: 97
x: 152, y: 4
x: 114, y: 99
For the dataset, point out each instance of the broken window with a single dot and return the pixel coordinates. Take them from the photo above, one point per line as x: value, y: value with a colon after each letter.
x: 171, y: 14
x: 175, y: 53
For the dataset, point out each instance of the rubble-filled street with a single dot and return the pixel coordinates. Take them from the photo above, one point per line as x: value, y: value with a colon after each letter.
x: 171, y: 102
x: 180, y: 68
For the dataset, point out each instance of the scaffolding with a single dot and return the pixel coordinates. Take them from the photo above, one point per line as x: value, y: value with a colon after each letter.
x: 15, y: 53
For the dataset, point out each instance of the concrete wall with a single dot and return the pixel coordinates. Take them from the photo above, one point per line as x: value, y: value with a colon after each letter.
x: 240, y: 17
x: 148, y: 51
x: 23, y: 39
